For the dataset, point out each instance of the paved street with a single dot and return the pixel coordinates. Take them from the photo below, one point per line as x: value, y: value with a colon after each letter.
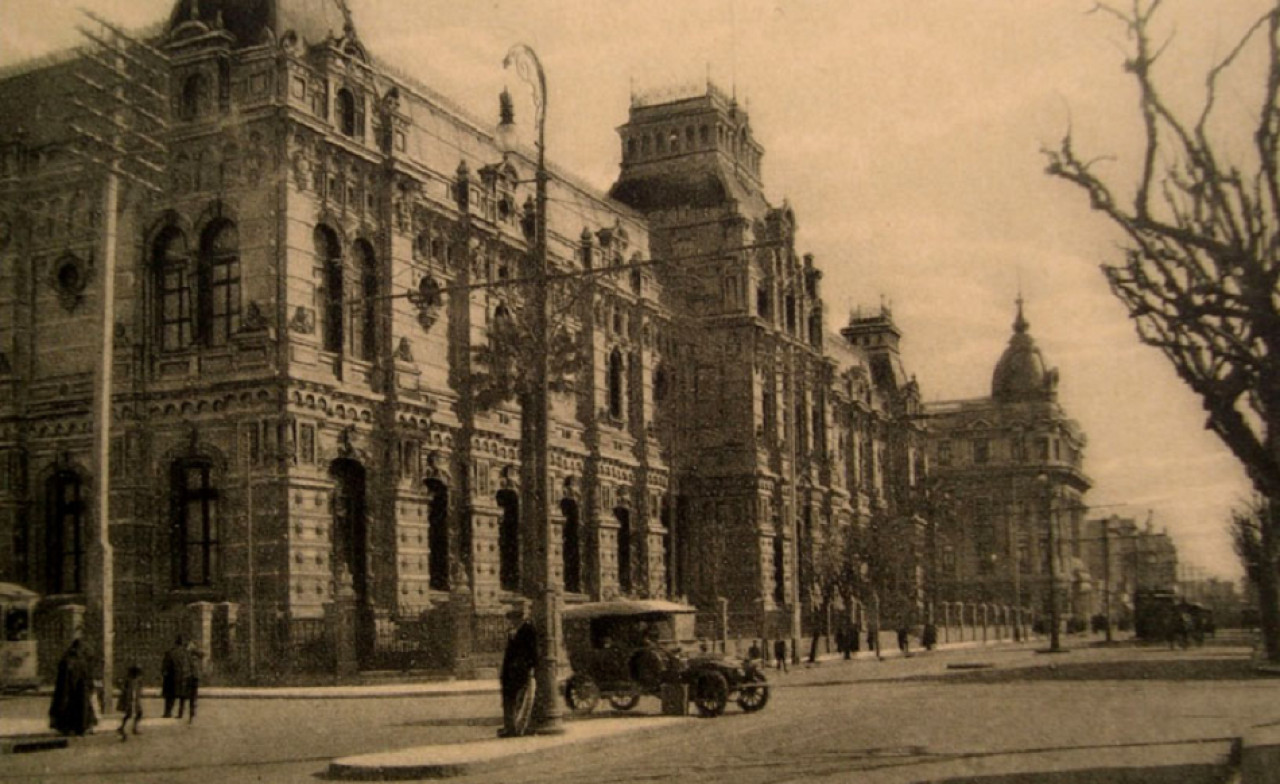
x: 927, y: 718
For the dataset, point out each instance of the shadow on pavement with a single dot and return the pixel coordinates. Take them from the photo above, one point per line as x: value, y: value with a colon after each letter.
x: 1172, y: 774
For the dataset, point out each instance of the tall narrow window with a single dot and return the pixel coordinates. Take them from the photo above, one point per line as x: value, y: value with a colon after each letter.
x: 195, y: 535
x: 509, y: 541
x: 173, y: 290
x: 438, y: 535
x: 64, y: 510
x: 329, y: 255
x: 347, y: 113
x: 364, y: 339
x: 616, y: 374
x: 779, y: 571
x: 219, y: 283
x: 623, y: 516
x: 194, y: 90
x: 572, y: 546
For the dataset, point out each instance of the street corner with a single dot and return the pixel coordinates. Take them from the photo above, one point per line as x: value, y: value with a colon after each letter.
x: 460, y: 759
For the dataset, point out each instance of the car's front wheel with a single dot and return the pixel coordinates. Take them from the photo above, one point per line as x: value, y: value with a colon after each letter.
x: 754, y: 695
x: 581, y: 694
x: 710, y: 693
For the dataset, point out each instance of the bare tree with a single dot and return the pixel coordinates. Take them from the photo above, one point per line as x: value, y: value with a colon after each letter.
x: 1253, y: 533
x: 1199, y: 274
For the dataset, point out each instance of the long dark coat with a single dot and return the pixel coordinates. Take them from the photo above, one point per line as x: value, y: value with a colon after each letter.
x: 71, y: 711
x: 174, y: 671
x: 520, y: 657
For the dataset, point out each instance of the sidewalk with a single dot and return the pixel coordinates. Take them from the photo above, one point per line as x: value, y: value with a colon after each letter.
x: 460, y: 759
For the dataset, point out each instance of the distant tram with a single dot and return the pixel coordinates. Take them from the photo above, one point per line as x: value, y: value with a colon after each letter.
x: 18, y: 643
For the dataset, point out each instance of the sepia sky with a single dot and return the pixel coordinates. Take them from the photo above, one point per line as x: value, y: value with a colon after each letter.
x: 907, y: 137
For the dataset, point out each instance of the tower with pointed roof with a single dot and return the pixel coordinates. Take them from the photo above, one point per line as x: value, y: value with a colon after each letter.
x: 1010, y: 465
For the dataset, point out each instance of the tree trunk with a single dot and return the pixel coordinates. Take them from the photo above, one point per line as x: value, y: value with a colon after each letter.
x: 1268, y: 598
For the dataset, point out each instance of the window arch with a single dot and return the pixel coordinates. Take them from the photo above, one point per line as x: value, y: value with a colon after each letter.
x: 438, y: 535
x: 365, y: 326
x: 350, y: 118
x: 194, y: 90
x: 623, y: 516
x: 195, y: 523
x: 170, y: 269
x: 571, y: 545
x: 329, y: 254
x: 65, y: 542
x: 615, y: 385
x: 218, y: 283
x: 509, y: 541
x: 661, y: 383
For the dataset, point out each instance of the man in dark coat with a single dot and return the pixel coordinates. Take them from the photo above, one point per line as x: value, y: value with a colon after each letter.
x: 173, y: 674
x: 518, y: 663
x: 71, y: 711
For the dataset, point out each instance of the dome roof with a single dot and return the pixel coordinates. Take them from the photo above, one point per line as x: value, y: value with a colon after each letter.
x: 249, y: 20
x: 1021, y: 374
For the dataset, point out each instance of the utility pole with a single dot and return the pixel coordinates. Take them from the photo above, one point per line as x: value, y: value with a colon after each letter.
x: 118, y: 130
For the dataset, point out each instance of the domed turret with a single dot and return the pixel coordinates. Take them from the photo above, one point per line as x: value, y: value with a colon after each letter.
x: 1021, y: 374
x: 252, y: 22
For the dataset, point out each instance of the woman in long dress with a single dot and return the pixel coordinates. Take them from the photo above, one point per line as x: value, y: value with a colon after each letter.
x: 71, y: 711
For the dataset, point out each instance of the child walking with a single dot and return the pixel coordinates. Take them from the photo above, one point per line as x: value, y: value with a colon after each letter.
x: 130, y: 702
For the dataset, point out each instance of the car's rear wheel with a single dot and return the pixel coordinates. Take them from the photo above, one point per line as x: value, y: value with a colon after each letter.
x: 581, y: 694
x: 624, y: 701
x: 710, y: 693
x: 754, y: 695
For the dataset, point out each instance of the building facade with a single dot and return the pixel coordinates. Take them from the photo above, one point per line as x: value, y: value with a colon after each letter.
x: 1010, y: 477
x: 316, y: 440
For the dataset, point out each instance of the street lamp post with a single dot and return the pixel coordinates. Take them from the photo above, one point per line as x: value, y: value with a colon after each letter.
x: 547, y: 716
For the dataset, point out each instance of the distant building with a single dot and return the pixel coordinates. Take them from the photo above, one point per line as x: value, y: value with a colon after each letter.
x: 1008, y: 467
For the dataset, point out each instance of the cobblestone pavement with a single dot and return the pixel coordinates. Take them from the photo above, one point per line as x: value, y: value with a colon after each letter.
x: 927, y: 718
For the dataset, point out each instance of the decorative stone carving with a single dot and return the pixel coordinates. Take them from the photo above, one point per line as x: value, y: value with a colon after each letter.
x: 404, y: 352
x: 253, y: 320
x: 303, y: 321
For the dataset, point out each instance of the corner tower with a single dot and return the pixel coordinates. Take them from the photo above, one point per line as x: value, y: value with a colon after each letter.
x: 690, y: 152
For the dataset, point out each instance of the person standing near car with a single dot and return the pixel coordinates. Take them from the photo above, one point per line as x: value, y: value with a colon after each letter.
x: 516, y: 677
x: 780, y: 654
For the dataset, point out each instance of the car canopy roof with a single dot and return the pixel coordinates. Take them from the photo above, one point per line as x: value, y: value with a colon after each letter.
x: 12, y: 592
x: 623, y: 607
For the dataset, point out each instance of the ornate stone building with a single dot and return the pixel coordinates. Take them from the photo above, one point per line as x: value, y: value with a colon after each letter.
x: 313, y: 438
x: 1007, y: 468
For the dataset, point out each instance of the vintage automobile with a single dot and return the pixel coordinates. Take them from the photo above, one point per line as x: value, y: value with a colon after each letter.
x: 626, y: 649
x: 17, y: 642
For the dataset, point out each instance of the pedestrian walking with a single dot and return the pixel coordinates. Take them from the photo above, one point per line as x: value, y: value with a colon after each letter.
x: 71, y: 711
x: 780, y: 654
x: 173, y: 676
x: 130, y: 701
x: 191, y: 690
x: 753, y: 653
x: 516, y: 677
x: 904, y: 640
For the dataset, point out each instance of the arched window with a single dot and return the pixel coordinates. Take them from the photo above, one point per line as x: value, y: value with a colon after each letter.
x: 350, y: 117
x: 623, y: 516
x: 764, y: 301
x: 329, y: 254
x: 660, y: 383
x: 218, y: 283
x: 364, y: 341
x: 65, y: 541
x: 172, y: 289
x: 615, y: 384
x: 194, y: 92
x: 509, y: 541
x: 791, y: 312
x: 571, y: 536
x: 195, y: 523
x: 438, y: 534
x: 779, y: 571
